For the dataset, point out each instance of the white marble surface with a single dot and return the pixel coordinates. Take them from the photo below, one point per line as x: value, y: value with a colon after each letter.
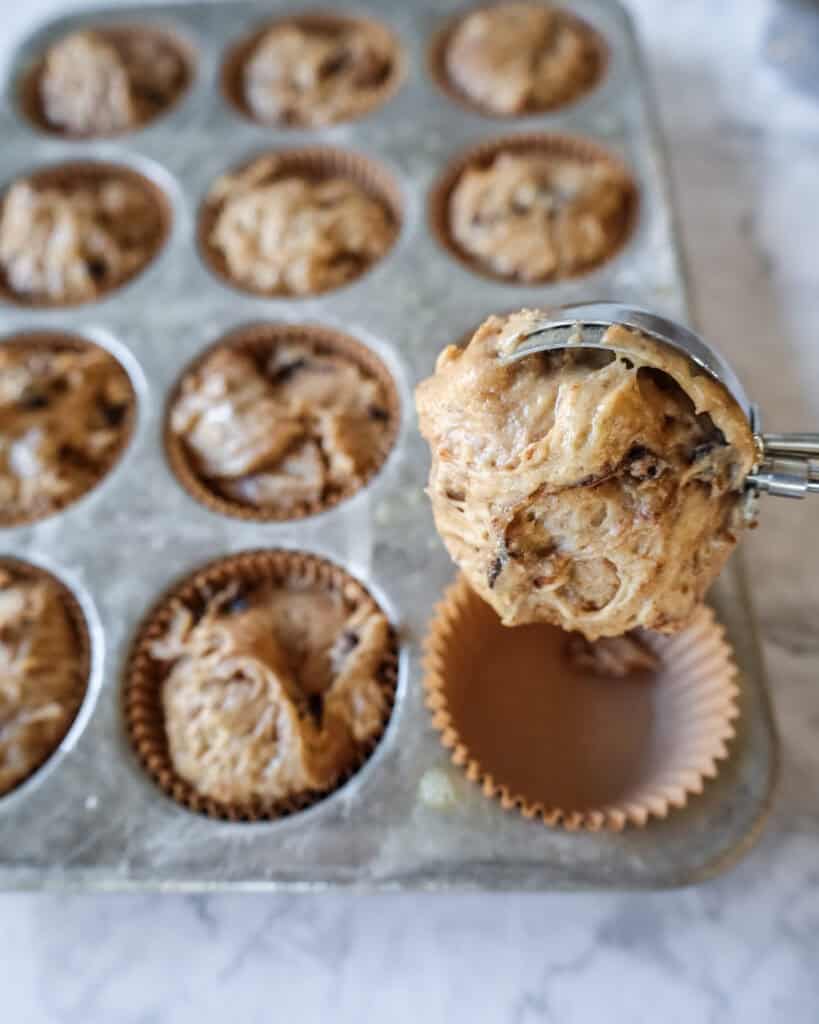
x: 744, y: 948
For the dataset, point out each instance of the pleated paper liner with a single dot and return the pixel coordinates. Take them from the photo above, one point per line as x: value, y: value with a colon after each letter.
x: 144, y: 676
x: 312, y: 163
x: 567, y: 748
x: 73, y: 174
x: 60, y: 341
x: 598, y: 64
x: 561, y: 147
x: 30, y: 99
x: 27, y: 571
x: 233, y: 66
x: 259, y: 340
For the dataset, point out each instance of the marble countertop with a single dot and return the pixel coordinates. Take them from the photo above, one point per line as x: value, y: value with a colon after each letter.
x: 744, y: 145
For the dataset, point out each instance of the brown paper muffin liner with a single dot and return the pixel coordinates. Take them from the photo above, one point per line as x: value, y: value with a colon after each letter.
x: 233, y: 66
x: 142, y: 697
x: 582, y: 150
x: 62, y: 342
x: 314, y: 163
x: 30, y: 99
x: 80, y: 172
x: 259, y: 340
x: 557, y: 744
x: 28, y: 571
x: 438, y: 69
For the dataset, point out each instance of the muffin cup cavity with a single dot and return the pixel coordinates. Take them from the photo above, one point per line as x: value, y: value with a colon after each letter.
x: 563, y: 147
x: 144, y: 676
x: 237, y: 56
x: 30, y: 572
x: 30, y: 97
x: 556, y: 744
x: 260, y: 340
x: 58, y: 341
x: 314, y: 164
x: 437, y: 54
x: 78, y: 173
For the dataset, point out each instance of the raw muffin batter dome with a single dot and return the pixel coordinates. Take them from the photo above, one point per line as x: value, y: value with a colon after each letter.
x: 283, y: 420
x: 43, y: 671
x: 71, y: 233
x: 100, y: 82
x: 273, y: 692
x: 595, y: 492
x: 516, y: 58
x: 318, y: 70
x: 66, y: 412
x: 540, y: 214
x: 282, y: 231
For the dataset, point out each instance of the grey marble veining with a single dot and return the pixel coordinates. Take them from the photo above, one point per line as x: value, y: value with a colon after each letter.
x: 744, y: 948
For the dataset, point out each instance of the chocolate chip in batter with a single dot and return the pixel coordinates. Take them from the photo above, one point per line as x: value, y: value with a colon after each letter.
x: 315, y: 706
x: 288, y: 371
x: 346, y: 643
x: 496, y: 568
x: 34, y: 401
x: 114, y: 413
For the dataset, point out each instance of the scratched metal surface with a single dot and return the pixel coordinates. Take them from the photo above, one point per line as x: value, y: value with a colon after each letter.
x: 90, y: 817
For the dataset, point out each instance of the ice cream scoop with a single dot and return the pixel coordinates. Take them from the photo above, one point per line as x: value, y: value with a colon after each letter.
x: 595, y: 467
x: 788, y: 464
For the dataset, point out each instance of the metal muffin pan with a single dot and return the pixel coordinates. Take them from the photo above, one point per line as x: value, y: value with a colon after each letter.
x: 409, y: 818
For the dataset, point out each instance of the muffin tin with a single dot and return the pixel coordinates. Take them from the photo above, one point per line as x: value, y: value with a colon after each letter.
x: 91, y: 816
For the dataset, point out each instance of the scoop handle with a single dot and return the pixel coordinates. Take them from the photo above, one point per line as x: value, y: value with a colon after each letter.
x: 789, y: 465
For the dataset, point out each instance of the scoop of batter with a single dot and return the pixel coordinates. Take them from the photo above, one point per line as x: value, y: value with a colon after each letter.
x: 63, y: 413
x: 311, y: 76
x: 594, y: 492
x: 72, y: 242
x: 281, y: 430
x: 292, y: 235
x: 520, y: 57
x: 42, y: 679
x: 273, y: 692
x: 536, y: 216
x: 98, y: 83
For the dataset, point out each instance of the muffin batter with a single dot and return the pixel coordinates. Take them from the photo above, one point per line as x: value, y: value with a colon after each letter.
x: 73, y: 241
x: 517, y: 58
x: 273, y: 692
x: 613, y: 657
x: 283, y: 430
x: 98, y: 83
x: 42, y: 676
x: 288, y: 234
x: 312, y: 76
x: 537, y: 216
x: 594, y: 492
x: 64, y: 415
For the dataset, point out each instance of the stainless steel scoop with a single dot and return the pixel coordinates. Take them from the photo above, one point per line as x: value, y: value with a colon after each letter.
x: 788, y: 464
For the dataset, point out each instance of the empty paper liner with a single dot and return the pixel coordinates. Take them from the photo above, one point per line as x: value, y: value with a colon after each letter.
x: 561, y: 745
